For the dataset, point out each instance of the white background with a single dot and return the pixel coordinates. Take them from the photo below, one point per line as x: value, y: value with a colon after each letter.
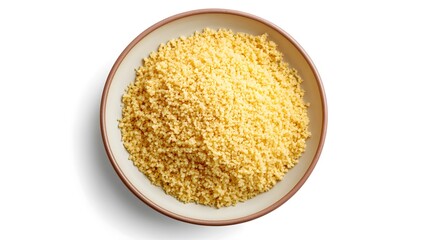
x: 371, y: 181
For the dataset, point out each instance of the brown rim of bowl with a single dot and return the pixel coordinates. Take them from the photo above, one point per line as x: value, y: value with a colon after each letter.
x: 184, y: 218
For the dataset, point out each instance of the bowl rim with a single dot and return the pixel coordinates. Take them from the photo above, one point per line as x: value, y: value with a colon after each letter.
x: 152, y: 204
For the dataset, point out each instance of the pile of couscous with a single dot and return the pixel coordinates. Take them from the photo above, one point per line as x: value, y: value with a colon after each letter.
x: 215, y: 118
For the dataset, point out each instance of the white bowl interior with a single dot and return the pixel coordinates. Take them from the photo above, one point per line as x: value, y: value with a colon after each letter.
x: 184, y: 27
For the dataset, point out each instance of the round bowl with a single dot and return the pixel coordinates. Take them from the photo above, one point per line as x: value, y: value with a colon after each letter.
x: 185, y: 24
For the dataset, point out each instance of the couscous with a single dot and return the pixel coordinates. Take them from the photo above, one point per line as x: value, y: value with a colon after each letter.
x: 215, y: 118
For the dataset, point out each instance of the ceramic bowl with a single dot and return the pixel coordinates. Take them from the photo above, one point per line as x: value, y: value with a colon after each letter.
x: 185, y: 24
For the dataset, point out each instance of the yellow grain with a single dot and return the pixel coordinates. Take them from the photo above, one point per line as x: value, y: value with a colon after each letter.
x: 215, y: 118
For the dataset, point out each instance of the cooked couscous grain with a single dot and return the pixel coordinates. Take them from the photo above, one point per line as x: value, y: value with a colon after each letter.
x: 215, y: 118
